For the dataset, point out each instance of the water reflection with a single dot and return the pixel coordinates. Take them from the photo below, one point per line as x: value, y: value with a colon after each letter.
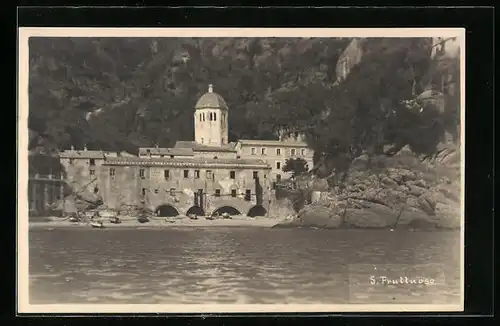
x: 246, y: 265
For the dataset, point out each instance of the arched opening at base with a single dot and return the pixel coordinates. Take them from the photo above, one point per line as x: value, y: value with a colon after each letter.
x: 257, y: 211
x: 166, y: 211
x: 226, y: 209
x: 196, y: 210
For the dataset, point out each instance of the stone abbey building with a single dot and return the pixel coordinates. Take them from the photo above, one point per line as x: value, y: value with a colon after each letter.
x: 206, y: 176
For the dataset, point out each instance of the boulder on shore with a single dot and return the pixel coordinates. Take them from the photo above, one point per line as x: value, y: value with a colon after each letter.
x: 371, y: 215
x: 282, y: 207
x: 318, y: 216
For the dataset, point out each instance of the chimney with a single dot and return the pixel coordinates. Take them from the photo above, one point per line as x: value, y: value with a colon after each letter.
x: 210, y: 88
x: 72, y: 147
x: 85, y: 147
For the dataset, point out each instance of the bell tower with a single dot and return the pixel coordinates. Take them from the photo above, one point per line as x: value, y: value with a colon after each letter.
x: 211, y: 119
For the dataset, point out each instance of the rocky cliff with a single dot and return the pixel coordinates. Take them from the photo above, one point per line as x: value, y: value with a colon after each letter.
x: 401, y: 191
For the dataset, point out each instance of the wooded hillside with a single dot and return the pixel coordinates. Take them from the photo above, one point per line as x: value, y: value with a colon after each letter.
x: 121, y: 93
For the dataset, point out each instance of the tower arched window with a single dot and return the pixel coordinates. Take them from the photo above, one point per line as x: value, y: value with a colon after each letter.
x: 215, y: 116
x: 201, y: 117
x: 211, y: 116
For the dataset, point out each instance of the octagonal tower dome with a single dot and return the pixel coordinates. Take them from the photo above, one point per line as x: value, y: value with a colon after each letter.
x: 211, y: 100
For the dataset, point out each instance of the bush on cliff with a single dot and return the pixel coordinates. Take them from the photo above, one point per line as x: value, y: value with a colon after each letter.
x: 298, y: 166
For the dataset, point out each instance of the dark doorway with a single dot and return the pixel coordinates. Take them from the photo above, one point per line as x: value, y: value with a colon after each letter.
x: 166, y: 211
x: 257, y: 211
x: 227, y: 209
x: 196, y: 210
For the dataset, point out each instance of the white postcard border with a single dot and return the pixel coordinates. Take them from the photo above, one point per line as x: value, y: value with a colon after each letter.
x: 24, y: 33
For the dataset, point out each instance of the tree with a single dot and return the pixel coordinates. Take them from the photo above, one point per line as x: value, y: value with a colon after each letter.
x: 297, y: 166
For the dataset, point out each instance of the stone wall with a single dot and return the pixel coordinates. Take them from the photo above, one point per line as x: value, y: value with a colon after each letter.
x: 126, y: 186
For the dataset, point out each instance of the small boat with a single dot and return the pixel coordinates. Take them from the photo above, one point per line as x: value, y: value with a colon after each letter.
x: 115, y: 220
x: 193, y: 216
x: 226, y: 215
x: 97, y: 225
x: 143, y: 219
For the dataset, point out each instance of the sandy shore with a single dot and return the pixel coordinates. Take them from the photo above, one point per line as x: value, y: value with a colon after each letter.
x: 243, y: 221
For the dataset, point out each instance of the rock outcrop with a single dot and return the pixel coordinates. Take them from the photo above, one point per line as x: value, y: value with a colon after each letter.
x: 401, y: 191
x: 314, y: 215
x: 282, y: 207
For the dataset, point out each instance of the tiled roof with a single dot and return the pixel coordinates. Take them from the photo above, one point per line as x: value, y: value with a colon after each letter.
x: 204, y: 148
x: 166, y: 151
x: 191, y: 162
x: 81, y: 154
x: 288, y: 143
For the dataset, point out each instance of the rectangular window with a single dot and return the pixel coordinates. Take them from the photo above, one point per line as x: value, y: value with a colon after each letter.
x: 71, y: 160
x: 248, y: 195
x: 217, y: 192
x: 263, y: 150
x: 186, y: 173
x: 233, y: 193
x: 210, y: 175
x: 215, y: 116
x: 232, y: 174
x: 172, y: 191
x: 112, y: 172
x: 292, y: 152
x: 254, y: 151
x: 196, y: 174
x: 303, y: 152
x: 92, y: 172
x: 166, y: 174
x: 156, y: 191
x: 92, y: 161
x: 278, y: 151
x: 144, y: 191
x: 278, y: 165
x: 255, y: 174
x: 141, y: 174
